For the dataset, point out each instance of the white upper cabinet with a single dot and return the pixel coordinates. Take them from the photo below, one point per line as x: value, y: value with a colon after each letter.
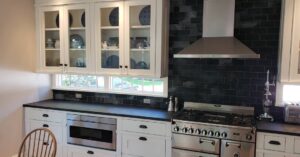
x: 290, y: 42
x: 110, y: 37
x: 64, y: 39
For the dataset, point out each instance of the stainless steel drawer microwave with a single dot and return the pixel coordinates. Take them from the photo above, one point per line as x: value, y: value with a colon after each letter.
x: 90, y: 131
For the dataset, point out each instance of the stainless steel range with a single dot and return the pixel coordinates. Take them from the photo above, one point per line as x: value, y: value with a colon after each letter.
x: 206, y: 130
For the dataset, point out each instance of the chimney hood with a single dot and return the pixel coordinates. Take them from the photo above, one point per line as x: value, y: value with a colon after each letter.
x: 218, y: 34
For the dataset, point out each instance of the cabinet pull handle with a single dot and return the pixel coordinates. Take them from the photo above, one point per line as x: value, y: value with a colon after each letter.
x: 212, y: 142
x: 45, y: 143
x: 143, y: 127
x: 121, y: 66
x: 65, y: 65
x: 45, y: 115
x: 143, y: 138
x: 46, y: 126
x: 90, y: 152
x: 126, y: 66
x: 61, y: 65
x: 233, y: 144
x: 274, y: 143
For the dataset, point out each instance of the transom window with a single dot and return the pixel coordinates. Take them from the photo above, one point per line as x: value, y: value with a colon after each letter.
x: 112, y: 84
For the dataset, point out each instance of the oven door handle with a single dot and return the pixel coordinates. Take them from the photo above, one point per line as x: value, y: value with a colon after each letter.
x: 233, y: 144
x: 212, y: 142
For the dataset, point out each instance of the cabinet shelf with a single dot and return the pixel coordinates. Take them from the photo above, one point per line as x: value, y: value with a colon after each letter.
x: 51, y: 29
x: 109, y: 49
x: 139, y: 50
x: 52, y: 49
x: 77, y: 49
x: 109, y: 27
x: 140, y: 27
x: 77, y: 28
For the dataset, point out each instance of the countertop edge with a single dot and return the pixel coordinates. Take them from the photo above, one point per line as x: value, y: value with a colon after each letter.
x: 103, y: 113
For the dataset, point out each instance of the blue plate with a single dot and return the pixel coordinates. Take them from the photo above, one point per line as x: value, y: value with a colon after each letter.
x: 114, y: 17
x: 70, y: 20
x: 76, y: 42
x: 83, y: 19
x: 112, y: 62
x: 141, y: 65
x: 144, y: 16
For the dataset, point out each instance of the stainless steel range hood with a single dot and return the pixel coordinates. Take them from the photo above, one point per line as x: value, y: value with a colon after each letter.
x: 218, y: 34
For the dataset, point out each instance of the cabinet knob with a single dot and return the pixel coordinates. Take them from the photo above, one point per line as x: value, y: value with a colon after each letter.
x: 126, y: 66
x: 143, y: 138
x: 143, y: 127
x: 46, y: 126
x: 121, y: 66
x: 90, y: 152
x: 65, y: 65
x: 45, y: 115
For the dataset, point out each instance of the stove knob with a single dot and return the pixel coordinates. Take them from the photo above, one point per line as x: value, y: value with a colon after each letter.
x: 198, y: 131
x: 210, y: 133
x: 224, y: 135
x: 176, y: 128
x: 184, y: 130
x: 191, y: 130
x: 217, y: 134
x: 249, y: 137
x: 204, y: 132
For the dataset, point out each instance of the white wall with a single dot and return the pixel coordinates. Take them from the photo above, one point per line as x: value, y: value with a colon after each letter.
x: 18, y: 82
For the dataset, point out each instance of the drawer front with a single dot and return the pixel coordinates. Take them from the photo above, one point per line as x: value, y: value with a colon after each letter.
x: 143, y: 145
x: 56, y: 129
x: 45, y: 115
x: 184, y: 153
x: 89, y: 152
x: 147, y: 127
x: 275, y: 143
x: 199, y: 144
x: 271, y: 155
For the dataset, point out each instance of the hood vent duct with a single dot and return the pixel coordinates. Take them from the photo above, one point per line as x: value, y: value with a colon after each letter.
x: 218, y: 40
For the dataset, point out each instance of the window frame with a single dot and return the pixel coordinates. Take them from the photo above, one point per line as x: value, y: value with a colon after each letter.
x: 109, y: 90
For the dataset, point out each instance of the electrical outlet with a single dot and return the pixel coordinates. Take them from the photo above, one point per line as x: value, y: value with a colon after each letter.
x: 78, y: 96
x: 147, y: 101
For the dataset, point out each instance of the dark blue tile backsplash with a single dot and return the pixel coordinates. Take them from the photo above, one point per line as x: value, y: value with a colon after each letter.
x: 221, y: 81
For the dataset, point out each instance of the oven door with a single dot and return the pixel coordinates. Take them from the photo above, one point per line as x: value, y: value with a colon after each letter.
x: 97, y: 135
x: 185, y: 153
x: 195, y: 143
x: 237, y: 149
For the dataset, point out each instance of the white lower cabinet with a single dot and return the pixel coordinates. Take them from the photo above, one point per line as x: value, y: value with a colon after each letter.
x: 277, y: 145
x: 135, y: 137
x: 88, y: 152
x: 145, y: 138
x: 143, y: 145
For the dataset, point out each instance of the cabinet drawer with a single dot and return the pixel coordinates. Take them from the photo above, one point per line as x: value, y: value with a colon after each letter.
x: 143, y: 145
x: 45, y: 115
x: 89, y: 152
x: 275, y: 143
x: 56, y: 129
x: 147, y: 127
x: 184, y: 153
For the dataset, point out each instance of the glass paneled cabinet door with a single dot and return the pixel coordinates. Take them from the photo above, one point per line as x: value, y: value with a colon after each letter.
x: 109, y: 37
x: 77, y: 49
x: 140, y: 31
x: 50, y: 35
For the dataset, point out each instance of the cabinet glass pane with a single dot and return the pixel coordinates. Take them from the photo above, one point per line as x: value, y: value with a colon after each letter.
x: 140, y: 36
x: 52, y: 40
x: 77, y: 38
x: 109, y: 37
